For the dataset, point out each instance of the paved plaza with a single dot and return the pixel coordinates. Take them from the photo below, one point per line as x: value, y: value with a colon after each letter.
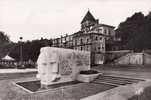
x: 9, y: 91
x: 2, y: 71
x: 135, y: 71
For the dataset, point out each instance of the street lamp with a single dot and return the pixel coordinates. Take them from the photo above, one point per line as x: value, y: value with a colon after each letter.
x: 21, y: 51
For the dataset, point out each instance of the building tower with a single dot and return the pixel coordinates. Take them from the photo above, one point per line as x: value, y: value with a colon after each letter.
x: 93, y: 37
x: 88, y: 22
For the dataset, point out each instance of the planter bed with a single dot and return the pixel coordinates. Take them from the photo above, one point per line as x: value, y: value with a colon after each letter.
x: 87, y: 76
x: 34, y: 86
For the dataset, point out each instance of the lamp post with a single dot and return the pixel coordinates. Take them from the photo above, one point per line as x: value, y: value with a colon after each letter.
x: 21, y: 51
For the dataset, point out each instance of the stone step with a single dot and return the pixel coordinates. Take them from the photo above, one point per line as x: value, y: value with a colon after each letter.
x: 115, y: 80
x: 118, y: 78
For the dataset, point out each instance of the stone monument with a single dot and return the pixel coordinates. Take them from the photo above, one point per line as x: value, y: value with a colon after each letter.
x: 56, y: 65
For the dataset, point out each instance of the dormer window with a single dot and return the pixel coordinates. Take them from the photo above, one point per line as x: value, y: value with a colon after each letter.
x: 87, y: 23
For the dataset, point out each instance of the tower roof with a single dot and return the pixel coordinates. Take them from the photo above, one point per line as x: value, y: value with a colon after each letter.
x: 88, y: 17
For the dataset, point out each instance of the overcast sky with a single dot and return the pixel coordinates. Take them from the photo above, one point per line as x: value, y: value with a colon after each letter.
x: 34, y: 19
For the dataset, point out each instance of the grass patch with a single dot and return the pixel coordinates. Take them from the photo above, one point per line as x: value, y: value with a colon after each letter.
x: 88, y: 72
x: 34, y: 86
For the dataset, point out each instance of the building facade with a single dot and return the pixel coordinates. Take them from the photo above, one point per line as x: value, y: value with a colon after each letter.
x: 93, y: 36
x: 64, y: 42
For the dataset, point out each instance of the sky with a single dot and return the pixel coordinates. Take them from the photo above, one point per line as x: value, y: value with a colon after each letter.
x: 33, y: 19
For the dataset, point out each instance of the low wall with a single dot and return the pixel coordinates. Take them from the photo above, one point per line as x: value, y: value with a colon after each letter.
x: 122, y: 92
x: 98, y: 58
x: 147, y: 58
x: 112, y: 55
x: 134, y: 58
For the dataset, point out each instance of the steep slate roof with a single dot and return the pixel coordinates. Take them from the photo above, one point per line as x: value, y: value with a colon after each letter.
x: 89, y: 17
x: 103, y: 25
x: 107, y: 25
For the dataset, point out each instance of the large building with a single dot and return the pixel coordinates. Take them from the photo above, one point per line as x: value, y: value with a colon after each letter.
x: 64, y: 42
x: 93, y: 36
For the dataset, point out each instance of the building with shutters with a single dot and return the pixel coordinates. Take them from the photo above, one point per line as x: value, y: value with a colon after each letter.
x: 93, y: 36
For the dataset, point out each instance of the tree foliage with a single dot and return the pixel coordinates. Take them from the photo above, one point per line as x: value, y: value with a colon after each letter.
x: 135, y: 32
x: 3, y: 38
x: 30, y: 49
x: 4, y: 44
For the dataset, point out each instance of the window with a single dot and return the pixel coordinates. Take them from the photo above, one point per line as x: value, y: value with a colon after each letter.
x: 100, y: 38
x: 95, y: 49
x: 81, y: 48
x: 102, y: 47
x: 87, y: 40
x: 63, y: 39
x: 75, y: 42
x: 81, y: 41
x: 96, y: 38
x: 100, y: 30
x: 105, y: 31
x: 87, y: 23
x: 109, y: 32
x: 99, y: 48
x: 87, y: 48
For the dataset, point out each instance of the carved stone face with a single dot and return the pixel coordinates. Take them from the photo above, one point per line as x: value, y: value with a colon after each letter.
x: 47, y: 66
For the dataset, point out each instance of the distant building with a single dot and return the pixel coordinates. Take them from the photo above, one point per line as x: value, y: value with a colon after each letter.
x: 93, y: 36
x: 64, y: 42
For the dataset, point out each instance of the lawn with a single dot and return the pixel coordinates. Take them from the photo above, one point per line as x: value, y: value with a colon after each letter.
x: 34, y: 86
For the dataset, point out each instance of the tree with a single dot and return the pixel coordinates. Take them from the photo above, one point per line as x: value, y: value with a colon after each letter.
x: 4, y: 44
x: 30, y: 49
x: 3, y: 38
x: 135, y: 32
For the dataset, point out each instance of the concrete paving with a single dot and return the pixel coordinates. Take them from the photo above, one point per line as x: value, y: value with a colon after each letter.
x: 9, y: 91
x: 9, y: 74
x: 2, y: 71
x: 125, y: 73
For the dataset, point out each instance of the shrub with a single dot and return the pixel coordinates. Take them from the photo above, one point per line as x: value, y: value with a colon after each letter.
x: 88, y: 72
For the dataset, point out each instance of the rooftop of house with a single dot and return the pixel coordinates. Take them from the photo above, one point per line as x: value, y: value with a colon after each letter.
x: 88, y: 17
